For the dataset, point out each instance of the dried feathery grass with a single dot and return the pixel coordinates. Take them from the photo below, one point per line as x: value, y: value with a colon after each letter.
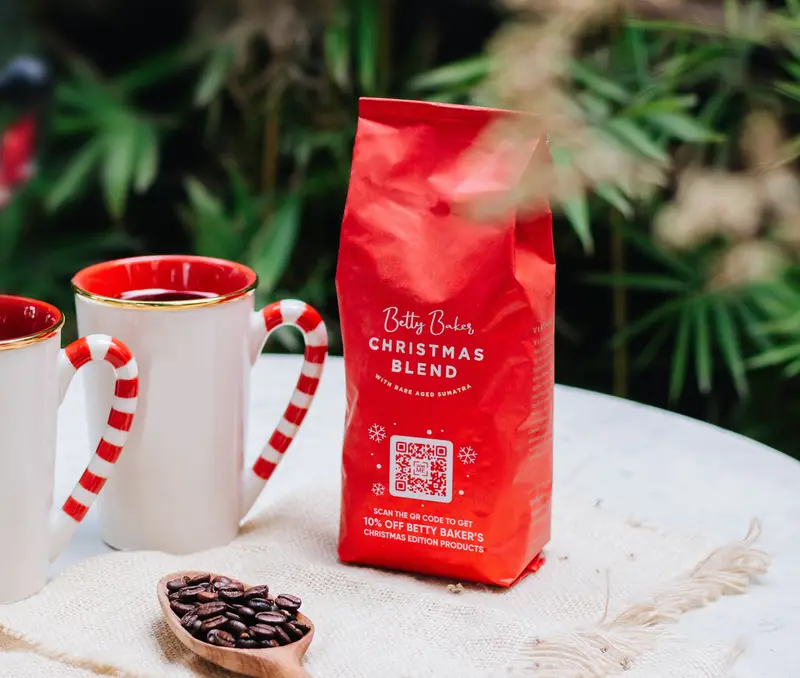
x: 755, y: 213
x: 284, y: 25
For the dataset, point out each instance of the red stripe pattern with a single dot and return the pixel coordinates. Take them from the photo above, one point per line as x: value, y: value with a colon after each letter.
x: 101, y: 348
x: 300, y: 315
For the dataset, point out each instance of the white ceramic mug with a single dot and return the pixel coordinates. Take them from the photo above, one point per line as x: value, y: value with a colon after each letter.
x: 184, y: 485
x: 34, y: 375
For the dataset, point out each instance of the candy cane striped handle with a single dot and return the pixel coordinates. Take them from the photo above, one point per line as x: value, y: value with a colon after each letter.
x: 96, y: 348
x: 300, y: 315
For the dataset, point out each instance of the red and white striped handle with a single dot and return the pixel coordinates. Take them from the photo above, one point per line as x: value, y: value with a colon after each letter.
x: 300, y: 315
x: 96, y: 348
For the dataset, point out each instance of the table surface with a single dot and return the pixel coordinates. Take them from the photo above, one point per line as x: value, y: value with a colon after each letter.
x: 660, y: 467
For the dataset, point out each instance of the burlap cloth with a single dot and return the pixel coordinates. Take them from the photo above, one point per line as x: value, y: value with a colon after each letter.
x: 602, y: 604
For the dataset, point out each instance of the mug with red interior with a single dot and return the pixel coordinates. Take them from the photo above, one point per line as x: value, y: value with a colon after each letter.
x: 34, y: 375
x: 184, y: 485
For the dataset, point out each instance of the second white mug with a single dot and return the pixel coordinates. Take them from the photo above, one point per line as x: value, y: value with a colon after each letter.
x: 183, y: 485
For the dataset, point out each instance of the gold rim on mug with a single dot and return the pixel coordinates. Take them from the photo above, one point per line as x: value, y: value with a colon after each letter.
x: 35, y: 338
x: 165, y: 305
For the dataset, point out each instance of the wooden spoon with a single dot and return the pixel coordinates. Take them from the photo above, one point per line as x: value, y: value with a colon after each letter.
x: 276, y: 662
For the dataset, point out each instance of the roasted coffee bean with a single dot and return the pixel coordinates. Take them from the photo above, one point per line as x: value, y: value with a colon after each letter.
x: 287, y: 601
x: 256, y: 592
x: 259, y: 605
x: 244, y: 611
x: 236, y: 627
x: 190, y: 592
x: 262, y: 631
x: 230, y: 595
x: 293, y: 632
x: 199, y: 579
x: 222, y: 611
x: 180, y: 608
x: 305, y: 628
x: 188, y: 619
x: 221, y: 638
x: 207, y: 596
x: 177, y: 584
x: 271, y: 618
x: 213, y: 623
x: 281, y: 636
x: 207, y: 610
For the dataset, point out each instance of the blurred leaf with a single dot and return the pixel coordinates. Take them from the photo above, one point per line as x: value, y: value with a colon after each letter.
x: 244, y: 205
x: 614, y: 197
x: 638, y: 140
x: 204, y: 204
x: 466, y: 72
x: 73, y: 179
x: 598, y: 83
x: 776, y: 356
x: 684, y: 128
x: 576, y: 208
x: 270, y: 253
x: 215, y: 74
x: 367, y: 32
x: 728, y: 340
x: 647, y: 321
x: 213, y: 229
x: 337, y: 47
x: 147, y: 158
x: 670, y: 259
x: 651, y: 350
x: 791, y: 89
x: 156, y: 69
x: 791, y: 149
x: 670, y: 104
x: 702, y: 345
x: 635, y: 41
x: 118, y: 167
x: 72, y: 124
x: 680, y: 356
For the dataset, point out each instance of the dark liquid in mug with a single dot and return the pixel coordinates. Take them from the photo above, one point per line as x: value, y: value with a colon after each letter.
x: 165, y: 295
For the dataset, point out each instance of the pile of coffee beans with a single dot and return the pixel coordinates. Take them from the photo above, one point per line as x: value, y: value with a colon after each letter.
x: 224, y: 612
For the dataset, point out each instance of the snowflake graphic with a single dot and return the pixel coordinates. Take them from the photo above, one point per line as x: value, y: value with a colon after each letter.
x: 377, y: 433
x: 467, y: 455
x: 378, y: 489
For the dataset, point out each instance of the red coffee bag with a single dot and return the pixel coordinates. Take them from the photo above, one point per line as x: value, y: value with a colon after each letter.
x: 447, y: 326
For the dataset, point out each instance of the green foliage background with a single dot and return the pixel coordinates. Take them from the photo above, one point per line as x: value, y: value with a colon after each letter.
x: 160, y: 139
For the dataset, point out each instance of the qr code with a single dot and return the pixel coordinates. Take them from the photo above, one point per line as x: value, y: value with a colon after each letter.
x: 421, y: 468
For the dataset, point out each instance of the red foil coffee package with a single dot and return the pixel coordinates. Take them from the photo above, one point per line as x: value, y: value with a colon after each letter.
x: 447, y: 326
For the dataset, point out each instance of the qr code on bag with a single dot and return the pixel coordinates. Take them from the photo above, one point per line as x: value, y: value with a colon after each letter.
x: 421, y: 468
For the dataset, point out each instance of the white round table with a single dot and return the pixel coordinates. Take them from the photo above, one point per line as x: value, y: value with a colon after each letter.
x: 660, y: 467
